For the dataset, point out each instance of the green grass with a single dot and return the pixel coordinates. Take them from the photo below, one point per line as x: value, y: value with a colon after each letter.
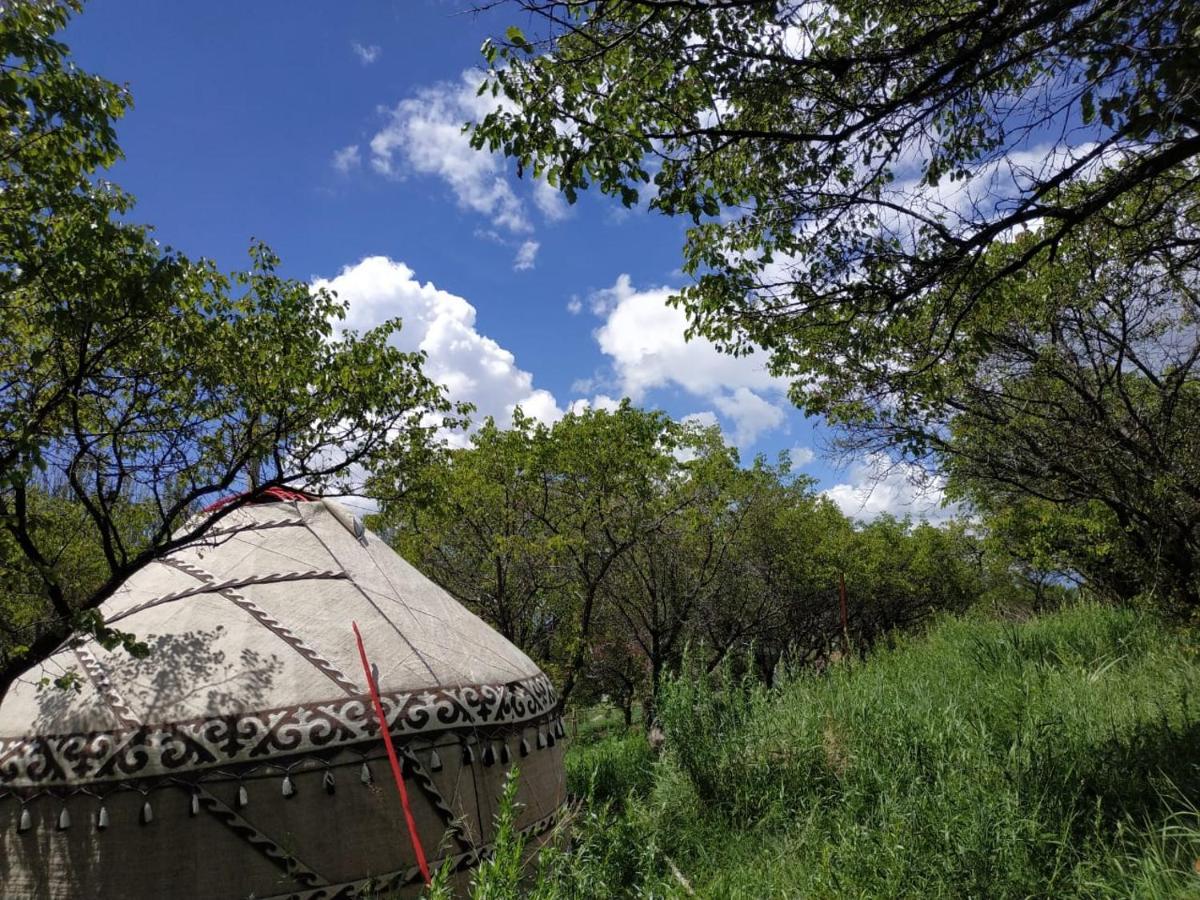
x: 1058, y: 757
x: 594, y: 723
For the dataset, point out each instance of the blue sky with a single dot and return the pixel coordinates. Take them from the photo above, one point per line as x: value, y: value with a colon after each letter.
x: 331, y: 132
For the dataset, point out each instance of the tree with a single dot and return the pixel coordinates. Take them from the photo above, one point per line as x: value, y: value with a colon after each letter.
x: 474, y: 530
x: 967, y: 232
x: 136, y: 383
x: 1082, y: 397
x: 529, y: 523
x: 899, y: 574
x: 782, y: 598
x: 1053, y: 550
x: 840, y: 160
x: 670, y: 577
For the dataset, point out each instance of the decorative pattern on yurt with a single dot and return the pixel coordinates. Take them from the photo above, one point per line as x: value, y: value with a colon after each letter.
x: 242, y: 757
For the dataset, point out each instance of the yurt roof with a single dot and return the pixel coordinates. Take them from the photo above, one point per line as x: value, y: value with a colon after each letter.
x: 252, y: 657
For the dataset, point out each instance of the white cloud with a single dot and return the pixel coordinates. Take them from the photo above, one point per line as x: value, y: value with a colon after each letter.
x: 425, y: 134
x: 600, y: 401
x: 877, y: 487
x: 540, y: 405
x: 990, y: 186
x: 751, y: 414
x: 574, y: 305
x: 550, y: 201
x: 526, y: 255
x: 472, y: 366
x: 347, y: 158
x: 801, y: 456
x: 644, y: 338
x: 366, y: 55
x: 705, y: 418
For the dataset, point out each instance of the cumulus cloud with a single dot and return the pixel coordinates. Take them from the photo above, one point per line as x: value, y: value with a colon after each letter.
x: 600, y: 401
x: 526, y: 254
x: 366, y: 54
x: 750, y: 413
x: 643, y: 337
x: 424, y: 135
x: 347, y: 158
x: 801, y: 456
x: 472, y: 366
x: 877, y: 487
x: 705, y: 418
x: 550, y: 201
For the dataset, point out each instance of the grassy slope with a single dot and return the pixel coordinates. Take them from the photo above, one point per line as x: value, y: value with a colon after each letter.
x: 1060, y: 757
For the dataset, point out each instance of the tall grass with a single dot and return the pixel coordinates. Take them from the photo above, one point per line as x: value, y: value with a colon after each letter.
x: 1058, y: 757
x: 1055, y: 758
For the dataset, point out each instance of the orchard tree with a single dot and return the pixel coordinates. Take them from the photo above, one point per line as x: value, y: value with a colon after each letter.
x: 526, y: 525
x: 136, y: 384
x: 1080, y: 399
x: 1054, y: 550
x: 781, y: 595
x: 899, y: 574
x: 601, y: 475
x: 673, y: 574
x: 478, y: 528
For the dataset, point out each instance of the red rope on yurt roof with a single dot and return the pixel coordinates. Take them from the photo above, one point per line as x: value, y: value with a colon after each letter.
x: 391, y: 752
x: 270, y: 495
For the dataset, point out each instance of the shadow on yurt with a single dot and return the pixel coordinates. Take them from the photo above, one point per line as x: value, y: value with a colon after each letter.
x: 242, y: 757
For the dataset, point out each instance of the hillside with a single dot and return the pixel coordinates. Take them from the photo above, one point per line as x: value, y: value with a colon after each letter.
x: 1055, y: 757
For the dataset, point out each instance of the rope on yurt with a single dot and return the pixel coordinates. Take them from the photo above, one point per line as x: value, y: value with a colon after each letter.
x: 259, y: 840
x: 392, y: 881
x: 261, y: 616
x: 391, y: 752
x: 450, y: 822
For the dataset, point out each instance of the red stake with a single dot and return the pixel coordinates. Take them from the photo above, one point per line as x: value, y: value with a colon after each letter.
x: 391, y: 752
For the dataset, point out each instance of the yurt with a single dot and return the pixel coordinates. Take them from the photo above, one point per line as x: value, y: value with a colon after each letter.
x: 243, y: 757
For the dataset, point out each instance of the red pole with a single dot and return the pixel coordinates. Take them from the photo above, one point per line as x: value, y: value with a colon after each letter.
x: 391, y: 752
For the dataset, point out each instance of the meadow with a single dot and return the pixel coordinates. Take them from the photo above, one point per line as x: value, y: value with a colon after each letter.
x: 1053, y: 757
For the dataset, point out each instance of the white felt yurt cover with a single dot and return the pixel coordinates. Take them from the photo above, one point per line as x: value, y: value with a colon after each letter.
x: 253, y: 668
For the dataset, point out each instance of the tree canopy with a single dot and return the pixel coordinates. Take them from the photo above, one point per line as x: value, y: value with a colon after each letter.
x: 839, y: 160
x: 608, y: 542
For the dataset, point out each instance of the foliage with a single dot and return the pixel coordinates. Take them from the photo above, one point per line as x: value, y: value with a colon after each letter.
x: 841, y: 160
x: 607, y: 542
x: 136, y: 383
x: 1048, y: 758
x: 1077, y: 418
x: 966, y: 233
x: 526, y: 525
